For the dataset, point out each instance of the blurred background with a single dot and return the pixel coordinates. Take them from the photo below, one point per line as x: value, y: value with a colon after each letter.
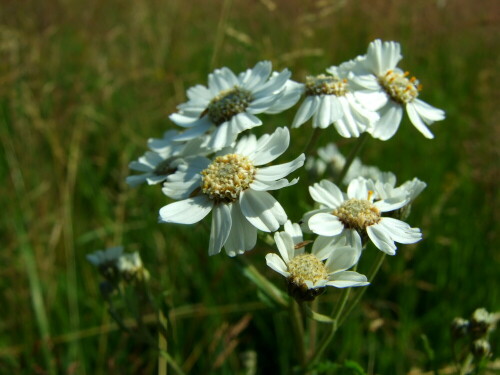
x: 83, y: 85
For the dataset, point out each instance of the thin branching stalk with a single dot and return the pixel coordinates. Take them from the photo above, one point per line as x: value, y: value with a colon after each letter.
x: 298, y: 330
x: 308, y: 150
x: 352, y: 155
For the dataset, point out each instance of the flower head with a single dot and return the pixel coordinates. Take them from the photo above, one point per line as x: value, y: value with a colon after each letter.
x: 308, y: 274
x: 164, y: 158
x: 329, y: 100
x: 382, y: 86
x: 229, y: 104
x: 359, y: 212
x: 234, y: 186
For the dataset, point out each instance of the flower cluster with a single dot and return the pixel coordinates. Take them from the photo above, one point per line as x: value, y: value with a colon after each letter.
x: 213, y: 164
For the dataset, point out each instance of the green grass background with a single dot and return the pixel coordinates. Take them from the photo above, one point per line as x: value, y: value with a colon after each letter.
x: 84, y: 84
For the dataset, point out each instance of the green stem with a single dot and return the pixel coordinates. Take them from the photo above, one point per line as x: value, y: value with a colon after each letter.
x: 466, y: 364
x: 352, y: 155
x: 329, y: 336
x: 298, y: 329
x: 312, y: 142
x: 172, y: 362
x: 371, y: 275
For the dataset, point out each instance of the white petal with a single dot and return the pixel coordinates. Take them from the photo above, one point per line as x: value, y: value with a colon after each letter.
x: 272, y: 185
x: 381, y: 240
x: 347, y: 279
x: 277, y: 264
x: 388, y: 124
x: 274, y: 84
x: 271, y: 147
x: 382, y: 56
x: 372, y: 100
x: 326, y: 224
x: 306, y: 110
x: 262, y: 210
x: 243, y: 235
x: 400, y: 231
x: 188, y: 211
x: 323, y: 246
x: 221, y: 226
x: 391, y: 204
x: 257, y: 76
x: 244, y: 121
x: 342, y: 258
x: 417, y: 121
x: 223, y: 135
x: 323, y: 116
x: 197, y: 130
x: 427, y: 112
x: 279, y: 171
x: 134, y: 181
x: 285, y: 245
x: 294, y: 231
x: 327, y: 193
x: 358, y: 188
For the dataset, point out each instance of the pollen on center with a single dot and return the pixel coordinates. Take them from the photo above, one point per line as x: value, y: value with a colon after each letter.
x: 306, y: 267
x: 227, y: 176
x: 358, y: 213
x: 325, y: 85
x: 399, y: 87
x: 228, y: 104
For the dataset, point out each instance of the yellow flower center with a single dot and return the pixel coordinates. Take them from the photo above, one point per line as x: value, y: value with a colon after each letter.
x: 325, y: 85
x: 306, y: 267
x: 227, y: 176
x: 357, y: 214
x: 228, y: 104
x: 400, y: 88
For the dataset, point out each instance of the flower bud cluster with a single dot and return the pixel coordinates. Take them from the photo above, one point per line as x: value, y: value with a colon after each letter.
x: 475, y: 332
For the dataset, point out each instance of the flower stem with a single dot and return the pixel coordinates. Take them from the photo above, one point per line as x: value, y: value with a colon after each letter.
x: 352, y: 155
x: 298, y: 329
x: 371, y: 275
x: 312, y: 142
x: 329, y: 336
x: 466, y: 364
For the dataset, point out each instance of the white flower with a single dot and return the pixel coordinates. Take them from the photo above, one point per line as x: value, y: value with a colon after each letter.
x: 355, y: 213
x: 386, y: 88
x: 329, y: 100
x: 234, y: 186
x: 105, y: 258
x: 229, y: 104
x: 329, y: 157
x: 130, y: 265
x: 306, y: 273
x: 164, y: 158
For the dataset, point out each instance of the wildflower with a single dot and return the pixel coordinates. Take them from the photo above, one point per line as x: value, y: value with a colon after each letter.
x: 328, y: 101
x: 308, y: 274
x: 481, y: 322
x: 329, y: 157
x: 234, y: 186
x: 105, y: 258
x: 130, y: 267
x: 357, y: 213
x: 229, y: 104
x: 382, y: 86
x: 164, y: 158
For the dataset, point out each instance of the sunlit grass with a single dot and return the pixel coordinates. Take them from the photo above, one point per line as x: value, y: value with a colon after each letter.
x: 82, y: 86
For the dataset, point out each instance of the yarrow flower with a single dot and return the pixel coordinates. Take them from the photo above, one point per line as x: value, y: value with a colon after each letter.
x: 164, y: 158
x: 386, y: 88
x: 331, y: 159
x: 234, y: 186
x: 329, y: 100
x: 357, y: 213
x: 229, y: 104
x: 308, y: 274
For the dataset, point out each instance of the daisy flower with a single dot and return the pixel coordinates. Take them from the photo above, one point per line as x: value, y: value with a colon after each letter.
x: 386, y: 88
x: 356, y: 213
x: 329, y: 100
x: 234, y: 187
x: 164, y: 158
x: 105, y: 258
x: 331, y: 159
x: 229, y: 104
x: 308, y: 274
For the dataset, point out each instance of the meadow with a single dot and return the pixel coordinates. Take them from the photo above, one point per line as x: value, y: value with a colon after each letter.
x: 83, y: 85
